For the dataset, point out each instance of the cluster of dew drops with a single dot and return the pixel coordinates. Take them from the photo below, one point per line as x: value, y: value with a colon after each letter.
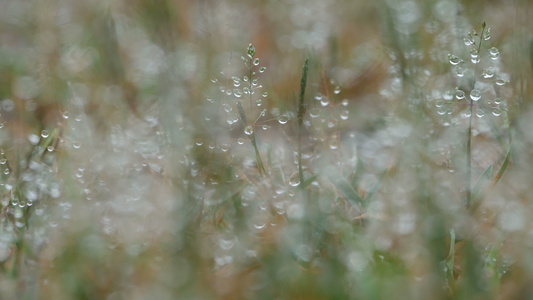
x: 487, y: 74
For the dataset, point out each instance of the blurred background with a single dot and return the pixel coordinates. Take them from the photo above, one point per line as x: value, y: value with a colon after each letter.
x: 151, y: 149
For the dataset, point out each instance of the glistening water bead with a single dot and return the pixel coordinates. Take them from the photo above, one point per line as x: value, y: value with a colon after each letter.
x: 475, y: 95
x: 454, y: 60
x: 248, y: 130
x: 459, y: 94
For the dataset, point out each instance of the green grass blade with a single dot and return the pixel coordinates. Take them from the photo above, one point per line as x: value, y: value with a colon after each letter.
x: 346, y: 189
x: 503, y: 167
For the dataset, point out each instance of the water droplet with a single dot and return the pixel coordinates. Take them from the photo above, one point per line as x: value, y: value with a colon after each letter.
x: 460, y: 72
x: 294, y: 180
x: 227, y: 107
x: 199, y: 142
x: 459, y: 94
x: 248, y: 130
x: 494, y: 53
x: 333, y: 143
x: 246, y: 90
x: 283, y: 119
x: 454, y: 60
x: 3, y: 161
x: 259, y: 102
x: 475, y: 95
x: 475, y: 60
x: 442, y: 110
x: 240, y: 141
x: 237, y: 93
x: 337, y: 90
x: 496, y: 111
x: 345, y: 114
x: 474, y: 53
x: 314, y: 112
x: 319, y: 97
x: 45, y: 134
x: 228, y: 92
x: 254, y: 82
x: 324, y: 102
x: 214, y: 80
x: 76, y: 144
x: 34, y: 139
x: 498, y: 101
x: 265, y: 127
x: 500, y: 81
x: 488, y: 73
x: 224, y: 147
x: 50, y: 148
x: 256, y: 62
x: 6, y: 171
x: 468, y: 41
x: 467, y: 113
x: 486, y: 35
x: 344, y: 102
x: 65, y: 115
x: 480, y: 113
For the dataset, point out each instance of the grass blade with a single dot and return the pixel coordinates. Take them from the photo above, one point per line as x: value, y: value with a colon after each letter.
x: 346, y: 189
x: 503, y: 167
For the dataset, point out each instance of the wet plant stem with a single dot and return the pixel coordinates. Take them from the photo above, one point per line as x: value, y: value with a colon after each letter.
x: 301, y: 113
x: 469, y: 134
x: 260, y: 165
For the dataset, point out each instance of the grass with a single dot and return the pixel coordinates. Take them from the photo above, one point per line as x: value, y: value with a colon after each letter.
x: 126, y: 170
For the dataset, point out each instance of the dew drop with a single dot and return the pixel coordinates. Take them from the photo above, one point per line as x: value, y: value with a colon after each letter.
x: 256, y: 62
x: 199, y: 142
x: 344, y: 102
x: 283, y: 119
x: 454, y: 60
x: 50, y: 148
x: 76, y: 144
x: 488, y: 73
x: 314, y: 112
x: 480, y: 113
x: 65, y: 115
x: 496, y: 111
x: 494, y: 53
x: 486, y: 35
x: 259, y: 102
x: 6, y: 171
x: 214, y: 80
x: 249, y: 130
x: 240, y: 141
x: 460, y: 72
x: 265, y: 127
x: 474, y: 53
x: 498, y: 101
x: 475, y: 95
x: 337, y: 90
x: 459, y: 94
x: 324, y: 102
x: 500, y: 81
x: 227, y: 107
x: 319, y: 97
x: 264, y: 94
x: 262, y: 69
x: 34, y: 139
x: 468, y: 41
x: 254, y: 82
x: 45, y: 134
x: 237, y: 93
x: 3, y: 161
x: 294, y: 180
x: 467, y: 113
x: 345, y: 114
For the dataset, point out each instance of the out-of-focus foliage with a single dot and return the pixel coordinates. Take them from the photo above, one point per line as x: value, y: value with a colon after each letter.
x: 156, y: 149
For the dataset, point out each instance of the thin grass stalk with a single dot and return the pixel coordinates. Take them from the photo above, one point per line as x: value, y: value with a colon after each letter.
x: 301, y: 113
x: 469, y: 139
x: 242, y: 115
